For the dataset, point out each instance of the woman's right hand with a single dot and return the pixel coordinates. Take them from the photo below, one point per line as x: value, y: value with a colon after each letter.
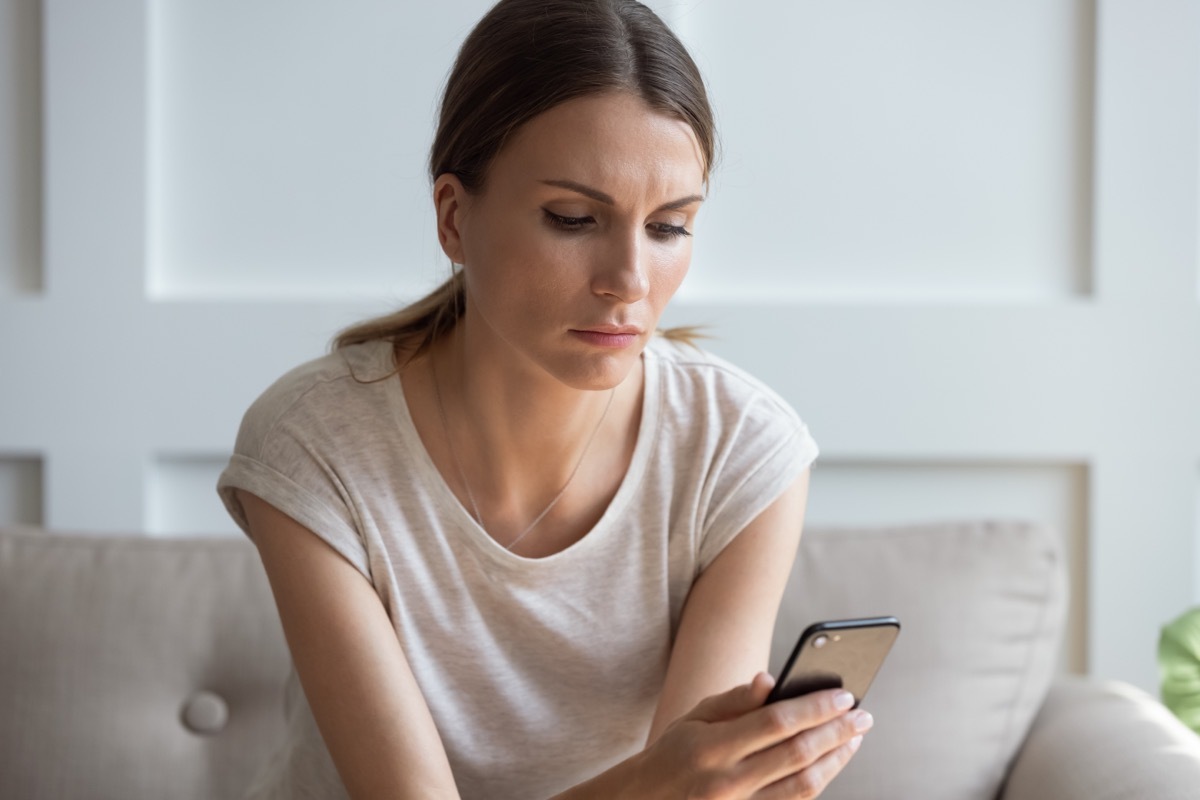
x: 731, y: 746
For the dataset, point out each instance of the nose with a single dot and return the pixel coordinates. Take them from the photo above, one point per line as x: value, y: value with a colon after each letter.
x: 622, y: 273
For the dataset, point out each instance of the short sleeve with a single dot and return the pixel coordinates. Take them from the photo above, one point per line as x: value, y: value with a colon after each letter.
x: 286, y: 458
x: 764, y: 460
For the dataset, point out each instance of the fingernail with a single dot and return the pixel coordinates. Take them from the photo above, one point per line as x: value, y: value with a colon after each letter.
x: 854, y: 743
x: 843, y: 701
x: 863, y: 721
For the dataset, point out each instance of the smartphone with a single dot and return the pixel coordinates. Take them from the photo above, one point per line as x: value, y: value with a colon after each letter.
x: 837, y: 654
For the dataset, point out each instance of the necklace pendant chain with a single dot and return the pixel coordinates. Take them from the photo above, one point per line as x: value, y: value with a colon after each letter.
x: 462, y: 477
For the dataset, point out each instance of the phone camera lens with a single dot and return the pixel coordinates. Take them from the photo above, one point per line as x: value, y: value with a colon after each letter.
x: 820, y: 641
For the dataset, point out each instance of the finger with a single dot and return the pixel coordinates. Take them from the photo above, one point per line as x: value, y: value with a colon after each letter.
x: 735, y: 702
x: 777, y: 722
x: 804, y: 749
x: 813, y: 779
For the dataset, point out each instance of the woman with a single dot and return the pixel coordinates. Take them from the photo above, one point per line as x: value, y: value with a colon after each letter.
x: 549, y: 546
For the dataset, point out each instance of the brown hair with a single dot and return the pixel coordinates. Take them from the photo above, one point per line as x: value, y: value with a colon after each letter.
x: 522, y: 59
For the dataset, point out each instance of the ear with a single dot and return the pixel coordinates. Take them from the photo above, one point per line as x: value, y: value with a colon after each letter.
x: 450, y: 199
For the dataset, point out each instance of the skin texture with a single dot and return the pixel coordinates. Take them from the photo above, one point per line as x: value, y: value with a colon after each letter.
x: 521, y: 388
x: 530, y: 283
x: 524, y: 380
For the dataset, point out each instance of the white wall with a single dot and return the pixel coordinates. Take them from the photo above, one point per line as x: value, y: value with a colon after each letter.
x: 961, y: 238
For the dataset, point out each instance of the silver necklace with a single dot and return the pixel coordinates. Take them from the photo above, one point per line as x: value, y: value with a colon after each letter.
x: 462, y: 477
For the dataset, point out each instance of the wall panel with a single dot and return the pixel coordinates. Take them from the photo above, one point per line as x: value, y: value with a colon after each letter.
x: 896, y: 493
x: 294, y: 169
x: 20, y: 146
x: 889, y: 158
x: 181, y: 496
x: 20, y: 490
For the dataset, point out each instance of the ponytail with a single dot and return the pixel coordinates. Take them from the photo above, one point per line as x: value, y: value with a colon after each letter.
x: 413, y: 329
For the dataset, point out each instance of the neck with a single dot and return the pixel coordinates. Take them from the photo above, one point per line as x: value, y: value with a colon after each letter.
x: 518, y: 434
x: 515, y: 412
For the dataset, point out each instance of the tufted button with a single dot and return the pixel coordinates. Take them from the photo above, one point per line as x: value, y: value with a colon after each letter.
x: 205, y: 713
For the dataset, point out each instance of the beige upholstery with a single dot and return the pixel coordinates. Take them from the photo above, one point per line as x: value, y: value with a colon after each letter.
x: 149, y: 668
x: 103, y: 643
x: 981, y: 608
x: 1106, y: 741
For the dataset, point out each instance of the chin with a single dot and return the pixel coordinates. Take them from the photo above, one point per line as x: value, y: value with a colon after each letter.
x: 595, y: 372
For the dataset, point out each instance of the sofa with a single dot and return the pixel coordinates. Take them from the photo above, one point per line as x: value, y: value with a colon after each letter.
x: 134, y: 667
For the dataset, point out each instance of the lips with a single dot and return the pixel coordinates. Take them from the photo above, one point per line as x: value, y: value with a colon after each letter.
x: 613, y: 329
x: 610, y: 336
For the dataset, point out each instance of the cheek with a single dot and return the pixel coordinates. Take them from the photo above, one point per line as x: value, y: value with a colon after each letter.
x: 521, y: 282
x: 498, y: 260
x: 669, y: 271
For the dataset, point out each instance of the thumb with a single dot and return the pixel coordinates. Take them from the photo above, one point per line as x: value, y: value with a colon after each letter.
x: 735, y: 702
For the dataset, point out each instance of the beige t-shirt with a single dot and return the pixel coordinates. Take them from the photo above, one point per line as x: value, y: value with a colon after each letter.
x: 540, y: 673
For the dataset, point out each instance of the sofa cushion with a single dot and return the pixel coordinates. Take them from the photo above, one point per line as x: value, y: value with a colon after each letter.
x: 143, y: 668
x: 1104, y: 740
x: 981, y: 607
x: 135, y: 667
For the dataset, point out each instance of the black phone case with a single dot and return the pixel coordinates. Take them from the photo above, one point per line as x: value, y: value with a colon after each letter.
x: 852, y: 653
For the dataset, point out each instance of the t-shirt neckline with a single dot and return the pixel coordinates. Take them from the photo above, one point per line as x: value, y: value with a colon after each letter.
x: 469, y: 530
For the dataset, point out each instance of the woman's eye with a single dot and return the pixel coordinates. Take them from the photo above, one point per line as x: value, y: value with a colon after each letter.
x: 568, y: 223
x: 659, y: 230
x: 665, y: 231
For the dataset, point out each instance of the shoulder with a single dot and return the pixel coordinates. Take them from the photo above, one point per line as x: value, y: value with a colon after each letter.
x: 302, y: 439
x: 336, y: 385
x: 693, y: 378
x: 731, y: 445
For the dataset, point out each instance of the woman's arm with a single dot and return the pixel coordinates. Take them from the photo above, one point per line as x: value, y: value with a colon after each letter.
x: 363, y: 696
x: 725, y: 631
x: 791, y: 749
x: 729, y: 745
x: 383, y: 740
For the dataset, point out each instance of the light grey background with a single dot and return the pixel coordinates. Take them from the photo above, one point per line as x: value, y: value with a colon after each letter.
x: 961, y: 238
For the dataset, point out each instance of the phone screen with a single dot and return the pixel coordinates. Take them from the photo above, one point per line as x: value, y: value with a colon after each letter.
x: 837, y: 654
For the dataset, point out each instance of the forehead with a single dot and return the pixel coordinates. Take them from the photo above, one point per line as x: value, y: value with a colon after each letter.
x: 614, y: 142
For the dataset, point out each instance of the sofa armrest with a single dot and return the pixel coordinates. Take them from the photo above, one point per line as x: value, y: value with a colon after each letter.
x: 1104, y: 741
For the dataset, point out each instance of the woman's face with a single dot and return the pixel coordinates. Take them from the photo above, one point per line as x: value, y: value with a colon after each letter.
x: 579, y: 238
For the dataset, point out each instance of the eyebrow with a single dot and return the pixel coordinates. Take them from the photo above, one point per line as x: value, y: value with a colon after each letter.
x: 596, y: 194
